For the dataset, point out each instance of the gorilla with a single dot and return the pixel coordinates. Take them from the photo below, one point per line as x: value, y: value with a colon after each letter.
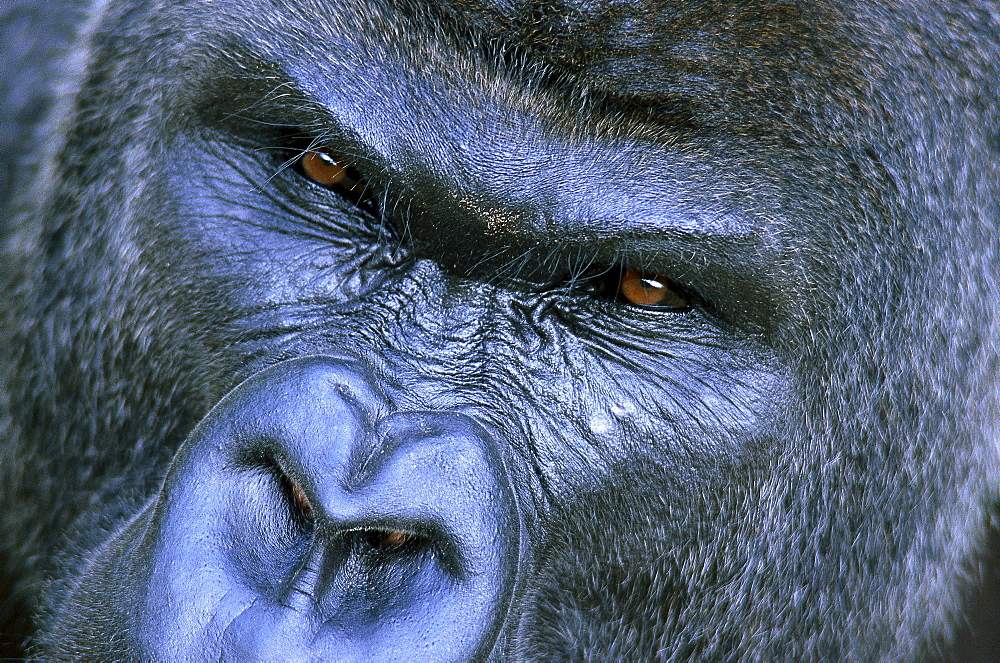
x: 500, y: 329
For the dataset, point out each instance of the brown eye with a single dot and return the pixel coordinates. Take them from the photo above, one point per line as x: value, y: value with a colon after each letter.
x: 323, y: 168
x: 332, y: 172
x: 649, y: 290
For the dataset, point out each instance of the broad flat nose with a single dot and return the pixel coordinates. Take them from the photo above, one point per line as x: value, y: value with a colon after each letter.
x: 305, y: 519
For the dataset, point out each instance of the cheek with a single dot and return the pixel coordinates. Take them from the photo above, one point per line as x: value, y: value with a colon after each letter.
x: 592, y: 408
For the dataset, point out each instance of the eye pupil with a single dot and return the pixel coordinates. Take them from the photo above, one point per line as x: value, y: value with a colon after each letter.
x: 323, y: 168
x: 649, y: 289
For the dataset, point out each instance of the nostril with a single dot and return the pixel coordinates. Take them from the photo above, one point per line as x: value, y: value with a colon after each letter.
x: 261, y: 460
x: 300, y: 499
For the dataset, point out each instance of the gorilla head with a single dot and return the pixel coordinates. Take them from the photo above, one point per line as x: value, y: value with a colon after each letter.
x: 497, y: 329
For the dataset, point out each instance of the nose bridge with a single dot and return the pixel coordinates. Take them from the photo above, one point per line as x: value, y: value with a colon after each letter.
x: 291, y: 409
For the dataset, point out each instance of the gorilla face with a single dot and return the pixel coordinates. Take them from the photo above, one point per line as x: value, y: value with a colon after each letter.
x: 506, y: 330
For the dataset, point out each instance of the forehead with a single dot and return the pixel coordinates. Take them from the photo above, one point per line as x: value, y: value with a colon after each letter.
x: 764, y: 77
x: 648, y: 49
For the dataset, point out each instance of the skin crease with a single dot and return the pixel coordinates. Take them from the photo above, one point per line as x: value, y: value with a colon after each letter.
x: 254, y: 413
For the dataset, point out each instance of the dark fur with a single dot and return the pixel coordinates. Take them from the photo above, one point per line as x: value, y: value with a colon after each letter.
x: 806, y: 467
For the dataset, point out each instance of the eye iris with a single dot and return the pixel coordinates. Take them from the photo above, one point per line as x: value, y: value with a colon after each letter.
x: 648, y: 289
x: 323, y: 168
